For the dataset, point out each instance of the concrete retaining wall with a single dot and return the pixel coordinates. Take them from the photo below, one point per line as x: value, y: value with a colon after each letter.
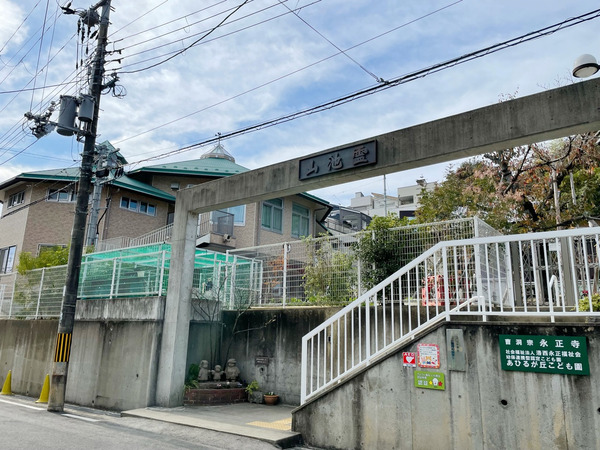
x: 482, y: 407
x: 26, y: 349
x: 114, y: 356
x: 267, y: 345
x: 115, y: 351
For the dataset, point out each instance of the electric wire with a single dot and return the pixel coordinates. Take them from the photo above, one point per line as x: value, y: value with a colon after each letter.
x: 160, y: 25
x: 367, y: 71
x: 283, y: 76
x: 15, y: 55
x: 19, y: 27
x: 178, y: 41
x: 48, y: 62
x: 140, y: 17
x: 193, y: 43
x: 397, y: 81
x: 51, y: 94
x: 39, y: 56
x: 187, y: 25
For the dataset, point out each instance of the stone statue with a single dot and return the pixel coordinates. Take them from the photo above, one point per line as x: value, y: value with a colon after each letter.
x: 231, y: 371
x: 217, y: 373
x: 204, y: 372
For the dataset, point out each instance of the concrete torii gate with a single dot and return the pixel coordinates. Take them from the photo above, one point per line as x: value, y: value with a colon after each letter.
x: 548, y: 115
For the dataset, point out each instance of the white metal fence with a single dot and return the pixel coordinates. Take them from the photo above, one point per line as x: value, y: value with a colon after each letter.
x: 327, y: 270
x: 543, y: 274
x: 37, y: 294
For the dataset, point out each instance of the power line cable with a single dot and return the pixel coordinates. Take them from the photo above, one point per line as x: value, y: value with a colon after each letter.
x: 17, y: 154
x: 193, y: 43
x: 283, y: 76
x: 19, y: 51
x: 48, y: 60
x: 39, y: 56
x: 331, y: 43
x: 187, y: 25
x: 421, y: 73
x: 178, y: 41
x: 162, y: 24
x: 19, y: 27
x: 140, y: 17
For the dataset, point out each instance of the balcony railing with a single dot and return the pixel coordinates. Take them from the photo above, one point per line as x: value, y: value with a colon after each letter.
x: 218, y: 222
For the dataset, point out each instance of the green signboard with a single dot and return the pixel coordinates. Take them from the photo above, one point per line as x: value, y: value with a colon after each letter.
x: 430, y: 380
x: 546, y: 354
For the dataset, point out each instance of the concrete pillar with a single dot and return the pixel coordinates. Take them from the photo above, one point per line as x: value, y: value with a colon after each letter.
x: 176, y: 325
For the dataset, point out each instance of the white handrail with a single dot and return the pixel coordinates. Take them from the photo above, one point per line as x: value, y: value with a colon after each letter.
x: 501, y: 280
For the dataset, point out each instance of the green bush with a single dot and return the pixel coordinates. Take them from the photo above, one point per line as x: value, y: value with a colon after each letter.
x: 328, y: 275
x: 584, y: 303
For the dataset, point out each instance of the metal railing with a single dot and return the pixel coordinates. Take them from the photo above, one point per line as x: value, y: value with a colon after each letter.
x: 127, y: 276
x: 546, y: 275
x: 218, y: 222
x: 37, y: 294
x: 233, y: 281
x: 333, y: 264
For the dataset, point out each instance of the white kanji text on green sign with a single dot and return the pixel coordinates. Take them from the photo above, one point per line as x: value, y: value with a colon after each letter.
x: 546, y: 354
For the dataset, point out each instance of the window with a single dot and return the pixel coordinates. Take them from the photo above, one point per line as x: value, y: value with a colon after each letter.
x: 7, y: 259
x: 300, y: 220
x: 16, y: 199
x: 141, y: 207
x: 58, y: 195
x: 272, y: 215
x: 239, y: 214
x: 49, y: 247
x: 406, y: 200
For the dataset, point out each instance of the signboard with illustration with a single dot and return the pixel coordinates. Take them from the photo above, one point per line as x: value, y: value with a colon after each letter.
x: 546, y: 354
x: 430, y: 380
x: 428, y: 356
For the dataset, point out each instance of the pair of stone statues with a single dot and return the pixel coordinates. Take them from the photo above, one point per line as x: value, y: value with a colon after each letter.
x: 231, y: 372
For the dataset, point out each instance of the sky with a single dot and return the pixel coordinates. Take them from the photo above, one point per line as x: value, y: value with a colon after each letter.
x: 187, y: 72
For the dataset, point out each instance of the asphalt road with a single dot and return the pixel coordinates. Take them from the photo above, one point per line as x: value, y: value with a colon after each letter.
x: 26, y: 425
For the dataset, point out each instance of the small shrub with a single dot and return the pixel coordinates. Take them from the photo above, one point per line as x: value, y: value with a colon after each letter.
x: 584, y: 304
x: 253, y: 386
x: 193, y: 373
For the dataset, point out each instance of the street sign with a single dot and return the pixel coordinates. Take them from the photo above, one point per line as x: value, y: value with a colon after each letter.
x: 546, y: 354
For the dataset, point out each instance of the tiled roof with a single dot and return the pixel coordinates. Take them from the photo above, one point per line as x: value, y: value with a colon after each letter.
x: 72, y: 174
x: 211, y: 167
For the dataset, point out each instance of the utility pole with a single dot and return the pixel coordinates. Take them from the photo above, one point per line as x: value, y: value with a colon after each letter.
x: 93, y: 222
x: 60, y: 366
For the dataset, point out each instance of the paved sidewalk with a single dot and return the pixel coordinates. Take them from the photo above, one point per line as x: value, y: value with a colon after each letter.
x: 268, y: 423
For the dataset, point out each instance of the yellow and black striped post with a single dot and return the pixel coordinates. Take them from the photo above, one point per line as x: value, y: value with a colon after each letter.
x: 63, y: 347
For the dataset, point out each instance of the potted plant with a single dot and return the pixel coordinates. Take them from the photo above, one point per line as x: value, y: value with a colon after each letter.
x: 254, y: 395
x: 271, y: 398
